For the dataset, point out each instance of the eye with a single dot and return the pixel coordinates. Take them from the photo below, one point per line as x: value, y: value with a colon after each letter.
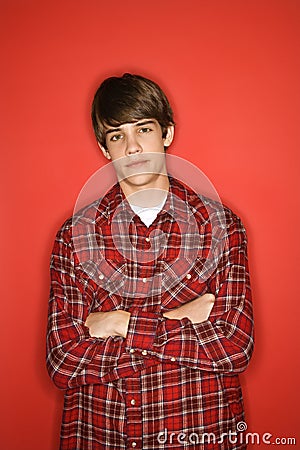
x: 116, y: 137
x: 145, y: 130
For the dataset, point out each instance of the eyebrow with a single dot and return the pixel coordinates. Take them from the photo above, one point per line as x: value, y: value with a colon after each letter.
x: 136, y: 124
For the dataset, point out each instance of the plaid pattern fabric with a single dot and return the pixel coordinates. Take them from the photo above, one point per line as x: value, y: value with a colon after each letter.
x: 169, y: 383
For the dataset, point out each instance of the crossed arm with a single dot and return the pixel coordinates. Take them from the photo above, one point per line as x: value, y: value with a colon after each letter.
x: 213, y: 332
x: 115, y: 323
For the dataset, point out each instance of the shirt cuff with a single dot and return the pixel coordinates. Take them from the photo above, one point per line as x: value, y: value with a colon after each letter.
x: 141, y: 331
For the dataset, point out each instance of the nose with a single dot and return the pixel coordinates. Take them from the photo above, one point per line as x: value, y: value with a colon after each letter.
x: 132, y: 145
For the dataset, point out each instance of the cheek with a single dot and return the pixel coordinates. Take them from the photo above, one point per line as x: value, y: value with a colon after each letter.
x: 155, y: 144
x: 116, y: 151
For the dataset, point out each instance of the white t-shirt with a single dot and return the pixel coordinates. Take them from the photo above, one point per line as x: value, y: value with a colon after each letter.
x: 147, y: 215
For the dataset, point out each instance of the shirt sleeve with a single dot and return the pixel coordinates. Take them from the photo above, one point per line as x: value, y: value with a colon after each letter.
x: 73, y: 356
x: 224, y: 343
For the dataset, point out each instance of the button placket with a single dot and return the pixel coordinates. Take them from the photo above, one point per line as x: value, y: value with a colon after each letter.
x: 133, y: 413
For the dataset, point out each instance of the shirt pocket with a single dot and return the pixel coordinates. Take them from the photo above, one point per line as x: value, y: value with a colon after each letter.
x: 106, y: 276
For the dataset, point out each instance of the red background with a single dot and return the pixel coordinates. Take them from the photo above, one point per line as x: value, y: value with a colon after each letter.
x: 231, y: 70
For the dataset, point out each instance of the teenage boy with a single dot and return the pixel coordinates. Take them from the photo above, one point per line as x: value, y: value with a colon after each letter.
x: 146, y: 341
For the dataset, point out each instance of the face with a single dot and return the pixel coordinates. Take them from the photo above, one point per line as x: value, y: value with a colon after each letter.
x: 137, y: 151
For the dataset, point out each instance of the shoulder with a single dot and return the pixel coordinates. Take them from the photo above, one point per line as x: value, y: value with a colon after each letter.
x: 86, y: 217
x: 210, y: 211
x: 230, y: 221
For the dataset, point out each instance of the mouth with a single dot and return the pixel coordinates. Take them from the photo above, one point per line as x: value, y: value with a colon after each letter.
x: 136, y: 164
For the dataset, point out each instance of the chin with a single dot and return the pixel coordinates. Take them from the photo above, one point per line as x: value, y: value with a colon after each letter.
x: 141, y: 179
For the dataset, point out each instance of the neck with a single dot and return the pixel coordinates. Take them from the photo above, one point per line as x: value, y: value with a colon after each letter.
x: 147, y: 195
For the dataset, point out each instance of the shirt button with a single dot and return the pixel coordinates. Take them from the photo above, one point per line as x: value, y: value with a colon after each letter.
x: 132, y: 402
x: 189, y: 276
x: 144, y: 352
x: 144, y: 280
x: 173, y: 359
x: 147, y: 239
x: 101, y: 276
x: 132, y: 350
x: 133, y: 444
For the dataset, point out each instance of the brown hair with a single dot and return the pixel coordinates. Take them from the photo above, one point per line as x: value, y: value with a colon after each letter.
x: 128, y: 99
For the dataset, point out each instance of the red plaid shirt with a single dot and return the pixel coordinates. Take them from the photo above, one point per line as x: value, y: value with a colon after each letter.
x: 169, y: 383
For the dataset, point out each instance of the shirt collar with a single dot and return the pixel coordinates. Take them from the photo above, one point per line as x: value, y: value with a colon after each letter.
x: 179, y: 198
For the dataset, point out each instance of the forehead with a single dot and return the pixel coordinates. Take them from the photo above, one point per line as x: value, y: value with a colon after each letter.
x: 131, y: 125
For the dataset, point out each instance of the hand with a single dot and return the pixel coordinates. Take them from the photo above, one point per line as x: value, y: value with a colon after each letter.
x: 105, y: 324
x: 197, y: 310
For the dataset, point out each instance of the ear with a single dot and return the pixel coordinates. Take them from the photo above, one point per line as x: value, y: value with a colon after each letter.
x: 169, y: 136
x: 104, y: 151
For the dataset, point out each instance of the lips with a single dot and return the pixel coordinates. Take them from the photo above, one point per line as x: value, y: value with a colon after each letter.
x: 136, y: 163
